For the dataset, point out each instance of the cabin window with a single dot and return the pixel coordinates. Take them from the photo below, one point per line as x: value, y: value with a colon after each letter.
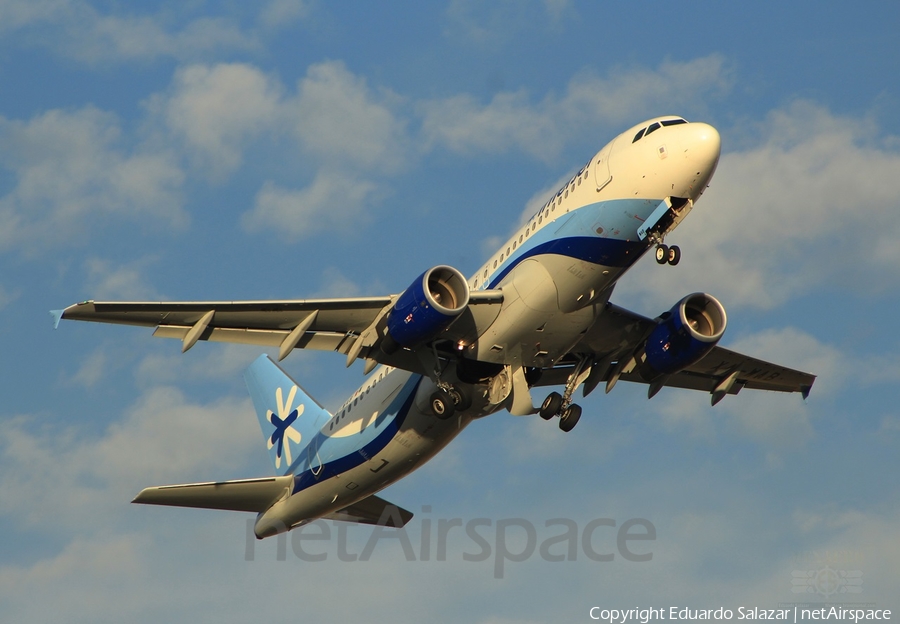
x: 514, y: 245
x: 520, y: 237
x: 495, y: 264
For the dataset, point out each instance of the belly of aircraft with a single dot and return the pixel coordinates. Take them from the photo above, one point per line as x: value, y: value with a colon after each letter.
x: 548, y: 303
x: 420, y: 437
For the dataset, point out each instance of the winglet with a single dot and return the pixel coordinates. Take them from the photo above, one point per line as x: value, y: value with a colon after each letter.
x: 57, y: 317
x: 804, y: 392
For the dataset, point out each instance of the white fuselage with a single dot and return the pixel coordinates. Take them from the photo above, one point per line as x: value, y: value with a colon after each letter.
x: 556, y: 274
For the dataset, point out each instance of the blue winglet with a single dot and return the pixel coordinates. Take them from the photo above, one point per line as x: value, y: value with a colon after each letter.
x: 57, y: 317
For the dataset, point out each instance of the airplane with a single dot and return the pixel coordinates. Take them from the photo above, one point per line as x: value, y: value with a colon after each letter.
x: 449, y: 350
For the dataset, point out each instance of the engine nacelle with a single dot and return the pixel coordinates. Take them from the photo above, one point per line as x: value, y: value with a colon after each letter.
x: 684, y: 335
x: 426, y: 308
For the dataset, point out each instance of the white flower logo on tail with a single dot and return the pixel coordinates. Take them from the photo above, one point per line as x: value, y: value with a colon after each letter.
x: 284, y: 432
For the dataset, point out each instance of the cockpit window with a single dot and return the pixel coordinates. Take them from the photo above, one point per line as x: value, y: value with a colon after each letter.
x: 656, y: 126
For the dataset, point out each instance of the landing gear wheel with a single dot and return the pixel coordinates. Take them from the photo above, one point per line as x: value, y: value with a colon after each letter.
x: 674, y: 255
x: 462, y: 398
x: 442, y: 405
x: 569, y: 418
x: 662, y: 254
x: 551, y: 405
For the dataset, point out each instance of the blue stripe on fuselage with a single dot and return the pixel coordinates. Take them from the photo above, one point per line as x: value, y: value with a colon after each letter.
x: 604, y: 251
x: 399, y: 407
x: 576, y: 235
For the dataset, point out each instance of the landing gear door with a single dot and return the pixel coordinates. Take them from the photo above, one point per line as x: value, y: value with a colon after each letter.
x: 602, y: 173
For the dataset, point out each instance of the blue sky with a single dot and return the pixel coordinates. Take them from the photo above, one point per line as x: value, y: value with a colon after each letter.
x: 204, y: 150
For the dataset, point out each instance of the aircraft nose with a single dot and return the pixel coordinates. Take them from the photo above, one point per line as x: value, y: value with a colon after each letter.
x: 702, y: 146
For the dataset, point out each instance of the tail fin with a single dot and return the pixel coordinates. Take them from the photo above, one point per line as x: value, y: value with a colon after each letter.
x: 288, y: 416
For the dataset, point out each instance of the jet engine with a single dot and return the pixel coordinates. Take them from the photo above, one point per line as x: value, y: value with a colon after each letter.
x: 426, y: 308
x: 683, y: 335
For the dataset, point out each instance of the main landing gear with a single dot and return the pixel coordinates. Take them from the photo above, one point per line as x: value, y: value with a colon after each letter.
x: 666, y: 254
x: 446, y: 401
x: 568, y: 415
x: 561, y: 405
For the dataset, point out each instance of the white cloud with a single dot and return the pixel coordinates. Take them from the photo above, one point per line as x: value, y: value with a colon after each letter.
x: 106, y: 38
x: 334, y: 125
x: 511, y: 121
x: 207, y: 361
x: 336, y: 284
x: 282, y: 13
x: 70, y: 167
x: 161, y: 438
x: 340, y: 120
x: 79, y: 30
x: 217, y: 110
x: 334, y: 201
x: 16, y: 14
x: 114, y: 562
x: 111, y: 281
x: 7, y: 297
x: 92, y: 369
x: 496, y: 24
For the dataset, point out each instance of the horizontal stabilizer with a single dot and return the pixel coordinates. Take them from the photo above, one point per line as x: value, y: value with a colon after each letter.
x: 373, y: 510
x: 255, y: 495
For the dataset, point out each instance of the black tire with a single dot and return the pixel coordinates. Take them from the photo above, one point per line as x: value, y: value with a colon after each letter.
x: 662, y: 254
x: 570, y: 417
x: 461, y: 397
x: 674, y: 255
x: 442, y: 405
x: 550, y: 406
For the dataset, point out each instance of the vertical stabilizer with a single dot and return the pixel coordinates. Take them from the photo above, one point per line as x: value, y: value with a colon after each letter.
x: 290, y: 419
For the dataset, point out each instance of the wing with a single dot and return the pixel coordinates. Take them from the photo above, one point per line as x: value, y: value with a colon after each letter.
x: 618, y: 333
x: 350, y: 326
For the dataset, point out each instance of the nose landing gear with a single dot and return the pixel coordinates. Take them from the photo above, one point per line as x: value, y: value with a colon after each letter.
x: 666, y: 254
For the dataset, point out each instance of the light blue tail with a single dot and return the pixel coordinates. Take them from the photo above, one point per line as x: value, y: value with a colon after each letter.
x: 288, y: 416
